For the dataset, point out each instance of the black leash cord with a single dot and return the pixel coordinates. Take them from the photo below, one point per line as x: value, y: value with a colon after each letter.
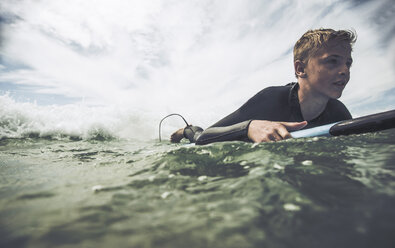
x: 160, y: 123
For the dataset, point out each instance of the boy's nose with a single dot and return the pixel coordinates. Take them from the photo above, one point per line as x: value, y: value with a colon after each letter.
x: 344, y: 70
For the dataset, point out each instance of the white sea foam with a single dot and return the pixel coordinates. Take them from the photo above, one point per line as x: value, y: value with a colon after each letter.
x: 19, y: 120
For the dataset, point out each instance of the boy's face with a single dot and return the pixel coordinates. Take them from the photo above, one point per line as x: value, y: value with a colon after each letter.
x: 328, y: 72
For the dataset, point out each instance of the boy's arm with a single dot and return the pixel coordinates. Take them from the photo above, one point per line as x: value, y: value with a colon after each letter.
x: 252, y: 130
x: 236, y: 126
x: 233, y: 127
x: 196, y: 134
x: 238, y: 131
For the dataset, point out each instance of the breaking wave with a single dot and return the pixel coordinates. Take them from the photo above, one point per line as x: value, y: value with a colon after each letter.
x: 73, y: 121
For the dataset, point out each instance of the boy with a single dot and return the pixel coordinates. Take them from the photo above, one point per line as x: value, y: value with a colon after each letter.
x: 322, y: 61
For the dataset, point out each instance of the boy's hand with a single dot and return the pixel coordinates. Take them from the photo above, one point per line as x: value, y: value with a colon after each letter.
x: 266, y: 131
x: 177, y: 136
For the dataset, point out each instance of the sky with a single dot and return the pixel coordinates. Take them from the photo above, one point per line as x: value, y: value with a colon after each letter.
x: 199, y: 58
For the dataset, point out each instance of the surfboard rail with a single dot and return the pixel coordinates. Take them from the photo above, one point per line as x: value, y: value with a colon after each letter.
x: 364, y: 124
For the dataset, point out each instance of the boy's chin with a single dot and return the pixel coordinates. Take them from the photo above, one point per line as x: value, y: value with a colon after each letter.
x: 336, y: 95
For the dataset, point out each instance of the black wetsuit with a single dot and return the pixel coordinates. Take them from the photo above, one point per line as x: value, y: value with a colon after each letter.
x: 278, y: 103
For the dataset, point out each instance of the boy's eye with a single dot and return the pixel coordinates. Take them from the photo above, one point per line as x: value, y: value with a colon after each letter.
x: 332, y: 61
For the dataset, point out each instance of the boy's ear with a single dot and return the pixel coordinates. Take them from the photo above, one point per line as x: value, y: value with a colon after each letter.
x: 299, y: 69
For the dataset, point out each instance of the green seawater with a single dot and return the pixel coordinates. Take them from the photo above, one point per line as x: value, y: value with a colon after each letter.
x: 315, y: 192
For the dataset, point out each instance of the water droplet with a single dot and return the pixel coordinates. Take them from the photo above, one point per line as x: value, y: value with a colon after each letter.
x: 278, y: 167
x: 202, y: 178
x: 291, y: 207
x: 165, y: 195
x: 97, y: 188
x: 307, y: 162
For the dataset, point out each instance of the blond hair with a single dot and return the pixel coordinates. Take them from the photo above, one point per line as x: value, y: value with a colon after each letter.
x: 313, y: 40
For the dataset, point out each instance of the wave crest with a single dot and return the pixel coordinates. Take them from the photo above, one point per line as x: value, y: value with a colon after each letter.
x: 74, y: 121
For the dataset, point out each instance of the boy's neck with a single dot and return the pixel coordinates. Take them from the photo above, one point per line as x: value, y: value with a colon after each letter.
x: 311, y: 105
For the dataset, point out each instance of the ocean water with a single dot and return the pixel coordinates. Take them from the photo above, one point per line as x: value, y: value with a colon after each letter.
x: 105, y: 191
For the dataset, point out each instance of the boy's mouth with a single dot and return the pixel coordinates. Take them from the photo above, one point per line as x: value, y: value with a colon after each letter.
x: 340, y: 83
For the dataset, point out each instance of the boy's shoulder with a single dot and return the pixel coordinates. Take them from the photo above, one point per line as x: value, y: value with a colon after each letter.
x: 275, y: 90
x: 270, y: 97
